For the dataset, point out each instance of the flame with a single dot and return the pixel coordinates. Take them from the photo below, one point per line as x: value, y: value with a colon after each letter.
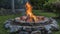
x: 29, y: 12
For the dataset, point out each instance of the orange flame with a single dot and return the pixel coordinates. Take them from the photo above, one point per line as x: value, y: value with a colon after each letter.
x: 29, y: 12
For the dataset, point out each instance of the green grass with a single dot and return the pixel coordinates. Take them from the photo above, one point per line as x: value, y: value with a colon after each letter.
x: 40, y: 13
x: 36, y: 12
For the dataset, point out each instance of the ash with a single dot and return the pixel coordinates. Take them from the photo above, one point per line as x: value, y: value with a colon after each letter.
x: 29, y: 28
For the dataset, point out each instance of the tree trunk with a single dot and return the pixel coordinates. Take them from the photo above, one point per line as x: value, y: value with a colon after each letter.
x: 13, y: 7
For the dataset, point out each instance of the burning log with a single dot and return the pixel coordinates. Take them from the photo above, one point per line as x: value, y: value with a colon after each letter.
x: 28, y: 19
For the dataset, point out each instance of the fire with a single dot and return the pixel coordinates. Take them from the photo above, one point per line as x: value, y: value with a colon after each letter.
x: 29, y: 12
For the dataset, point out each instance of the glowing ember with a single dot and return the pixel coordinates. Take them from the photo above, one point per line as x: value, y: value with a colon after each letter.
x: 29, y: 12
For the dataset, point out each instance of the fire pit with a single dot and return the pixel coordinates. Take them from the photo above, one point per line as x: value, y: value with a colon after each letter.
x: 31, y: 24
x: 47, y: 25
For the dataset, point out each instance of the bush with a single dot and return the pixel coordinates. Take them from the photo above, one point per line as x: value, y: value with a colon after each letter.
x: 53, y: 7
x: 48, y: 7
x: 38, y: 4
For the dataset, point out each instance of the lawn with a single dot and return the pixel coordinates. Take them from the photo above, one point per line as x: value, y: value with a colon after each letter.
x: 36, y: 12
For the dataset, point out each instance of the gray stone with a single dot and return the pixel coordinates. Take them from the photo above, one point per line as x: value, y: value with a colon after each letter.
x: 14, y: 28
x: 36, y: 32
x: 7, y: 23
x: 22, y: 32
x: 53, y: 25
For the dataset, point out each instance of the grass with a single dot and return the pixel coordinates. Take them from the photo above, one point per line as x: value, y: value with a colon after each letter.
x: 36, y: 12
x: 40, y: 13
